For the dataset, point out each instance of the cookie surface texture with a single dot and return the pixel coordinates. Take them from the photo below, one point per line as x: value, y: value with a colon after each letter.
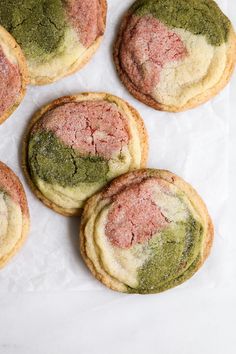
x: 58, y: 37
x: 147, y: 232
x: 77, y: 144
x: 14, y: 214
x: 174, y: 55
x: 13, y: 75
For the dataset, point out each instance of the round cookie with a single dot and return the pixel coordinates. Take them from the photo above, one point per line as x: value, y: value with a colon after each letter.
x: 147, y: 232
x: 13, y: 75
x: 14, y: 214
x: 58, y: 37
x: 76, y: 144
x: 174, y: 55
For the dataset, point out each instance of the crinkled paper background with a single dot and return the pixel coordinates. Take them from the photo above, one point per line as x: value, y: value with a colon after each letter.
x: 192, y: 144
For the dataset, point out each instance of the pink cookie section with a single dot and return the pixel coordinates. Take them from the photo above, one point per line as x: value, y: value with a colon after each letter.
x: 10, y: 83
x: 86, y: 17
x: 95, y: 128
x: 10, y: 184
x: 134, y: 216
x: 146, y: 47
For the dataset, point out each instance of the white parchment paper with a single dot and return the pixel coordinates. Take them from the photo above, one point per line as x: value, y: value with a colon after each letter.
x: 192, y: 144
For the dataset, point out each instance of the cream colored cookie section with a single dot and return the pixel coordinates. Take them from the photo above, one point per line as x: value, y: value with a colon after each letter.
x: 3, y: 217
x: 91, y: 247
x: 69, y: 197
x: 201, y: 70
x: 171, y: 203
x: 8, y: 51
x: 74, y: 197
x: 134, y: 146
x: 11, y: 224
x: 56, y: 65
x: 121, y: 264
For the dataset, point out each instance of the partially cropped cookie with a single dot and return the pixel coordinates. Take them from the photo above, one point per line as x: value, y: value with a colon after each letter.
x: 76, y: 144
x: 14, y: 214
x: 147, y: 232
x: 58, y: 37
x: 174, y: 55
x: 13, y: 75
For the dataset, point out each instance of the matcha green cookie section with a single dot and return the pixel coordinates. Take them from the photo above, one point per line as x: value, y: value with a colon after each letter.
x: 174, y: 254
x: 200, y: 17
x: 55, y: 163
x: 37, y: 25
